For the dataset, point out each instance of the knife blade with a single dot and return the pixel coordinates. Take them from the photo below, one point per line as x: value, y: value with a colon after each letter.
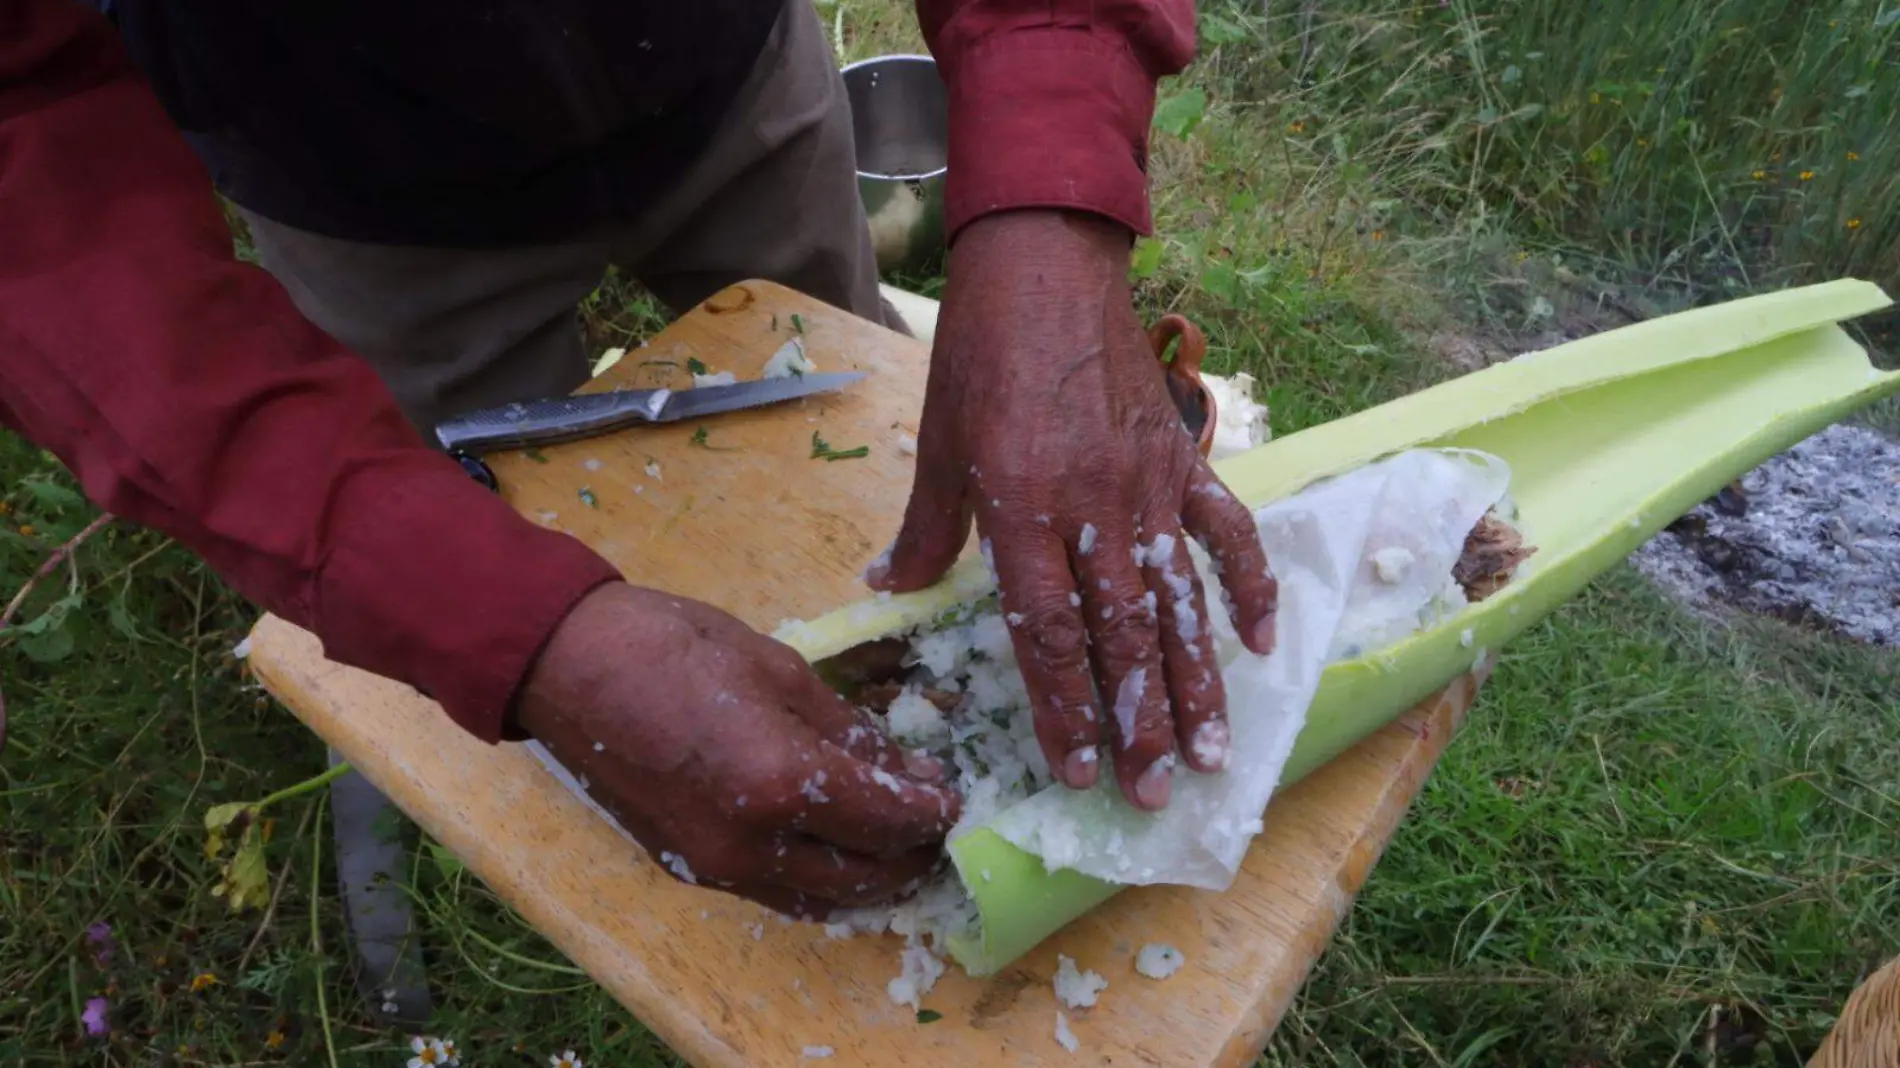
x: 558, y: 419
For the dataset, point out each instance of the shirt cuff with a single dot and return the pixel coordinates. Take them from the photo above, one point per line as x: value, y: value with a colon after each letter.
x: 438, y: 582
x: 1049, y: 118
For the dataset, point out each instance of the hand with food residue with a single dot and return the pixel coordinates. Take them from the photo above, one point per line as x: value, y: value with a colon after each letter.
x: 1048, y: 423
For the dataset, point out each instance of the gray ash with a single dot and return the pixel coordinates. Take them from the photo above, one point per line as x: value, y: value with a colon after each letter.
x: 1811, y: 537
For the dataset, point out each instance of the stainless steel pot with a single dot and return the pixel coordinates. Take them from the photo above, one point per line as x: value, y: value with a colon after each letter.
x: 900, y: 120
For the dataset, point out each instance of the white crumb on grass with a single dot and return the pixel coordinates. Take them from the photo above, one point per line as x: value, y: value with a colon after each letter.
x: 1075, y: 988
x: 1158, y: 960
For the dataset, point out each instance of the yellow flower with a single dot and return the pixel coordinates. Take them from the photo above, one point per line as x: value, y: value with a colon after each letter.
x: 1296, y: 127
x: 274, y: 1040
x: 1759, y: 175
x: 1378, y: 235
x: 1851, y: 157
x: 1853, y: 224
x: 1596, y: 98
x: 27, y: 529
x: 1807, y: 176
x: 1642, y: 142
x: 202, y: 982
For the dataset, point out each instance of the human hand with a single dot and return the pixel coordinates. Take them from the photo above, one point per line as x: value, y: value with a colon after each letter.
x: 1047, y: 420
x: 721, y: 752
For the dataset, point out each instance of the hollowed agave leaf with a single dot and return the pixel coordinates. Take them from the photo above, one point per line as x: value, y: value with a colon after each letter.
x: 1608, y: 439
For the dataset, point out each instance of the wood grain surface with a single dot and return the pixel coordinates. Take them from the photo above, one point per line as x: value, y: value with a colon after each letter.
x: 744, y: 518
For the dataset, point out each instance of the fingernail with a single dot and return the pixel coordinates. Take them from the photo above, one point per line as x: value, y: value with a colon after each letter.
x: 1209, y: 746
x: 1081, y: 767
x: 1155, y: 785
x: 1263, y: 635
x: 921, y: 765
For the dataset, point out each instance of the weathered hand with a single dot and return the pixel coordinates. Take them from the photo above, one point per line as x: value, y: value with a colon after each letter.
x: 1048, y: 420
x: 728, y: 759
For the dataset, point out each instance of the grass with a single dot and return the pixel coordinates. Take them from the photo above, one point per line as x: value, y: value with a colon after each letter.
x: 1660, y: 841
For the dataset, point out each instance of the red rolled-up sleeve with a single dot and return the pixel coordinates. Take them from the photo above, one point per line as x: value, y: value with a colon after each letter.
x: 1050, y: 101
x: 187, y: 394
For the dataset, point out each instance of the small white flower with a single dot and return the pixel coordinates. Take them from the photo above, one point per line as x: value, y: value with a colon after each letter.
x: 450, y: 1055
x: 428, y: 1052
x: 565, y: 1060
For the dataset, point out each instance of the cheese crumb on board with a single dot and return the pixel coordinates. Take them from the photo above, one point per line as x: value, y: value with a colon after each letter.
x: 1065, y: 1037
x: 723, y: 378
x: 1076, y: 989
x: 817, y: 1053
x: 653, y: 469
x: 1157, y: 960
x: 907, y: 444
x: 789, y: 360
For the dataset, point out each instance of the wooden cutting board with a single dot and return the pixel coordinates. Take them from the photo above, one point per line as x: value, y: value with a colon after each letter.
x: 743, y: 518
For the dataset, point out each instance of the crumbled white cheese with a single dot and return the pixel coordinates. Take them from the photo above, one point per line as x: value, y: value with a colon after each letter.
x: 1466, y: 637
x: 906, y: 444
x: 591, y: 464
x: 723, y: 378
x: 242, y: 650
x: 1391, y: 563
x: 677, y: 865
x: 789, y: 360
x: 1065, y: 1037
x: 756, y: 930
x: 1157, y: 960
x: 921, y: 970
x: 1076, y: 989
x: 1127, y: 702
x: 818, y: 1053
x: 1240, y: 422
x: 653, y: 469
x: 913, y: 720
x: 1085, y: 544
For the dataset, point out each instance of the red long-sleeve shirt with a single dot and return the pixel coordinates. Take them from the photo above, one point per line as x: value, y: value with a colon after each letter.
x: 187, y: 394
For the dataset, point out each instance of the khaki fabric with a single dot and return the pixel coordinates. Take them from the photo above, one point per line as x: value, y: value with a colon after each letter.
x: 774, y: 196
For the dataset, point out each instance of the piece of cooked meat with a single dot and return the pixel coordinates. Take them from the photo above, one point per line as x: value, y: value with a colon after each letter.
x: 1492, y: 552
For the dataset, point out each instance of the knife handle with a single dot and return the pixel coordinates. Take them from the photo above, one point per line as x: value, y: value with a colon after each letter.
x: 545, y: 422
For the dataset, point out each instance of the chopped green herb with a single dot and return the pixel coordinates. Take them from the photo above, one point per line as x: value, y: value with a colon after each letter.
x: 798, y: 323
x: 822, y: 450
x: 535, y: 455
x: 700, y: 439
x: 925, y: 1016
x: 695, y: 367
x: 588, y: 498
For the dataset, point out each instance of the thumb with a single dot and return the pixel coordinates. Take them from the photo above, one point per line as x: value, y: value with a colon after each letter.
x: 936, y: 521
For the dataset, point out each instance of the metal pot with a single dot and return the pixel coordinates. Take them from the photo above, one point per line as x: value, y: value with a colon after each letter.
x: 900, y: 120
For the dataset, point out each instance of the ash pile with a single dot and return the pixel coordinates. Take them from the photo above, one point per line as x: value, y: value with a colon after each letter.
x: 1811, y: 537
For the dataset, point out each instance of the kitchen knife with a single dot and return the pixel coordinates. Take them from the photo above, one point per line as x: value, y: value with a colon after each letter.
x: 544, y: 422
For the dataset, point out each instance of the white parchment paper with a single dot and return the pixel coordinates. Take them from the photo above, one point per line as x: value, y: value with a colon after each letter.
x: 1363, y: 560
